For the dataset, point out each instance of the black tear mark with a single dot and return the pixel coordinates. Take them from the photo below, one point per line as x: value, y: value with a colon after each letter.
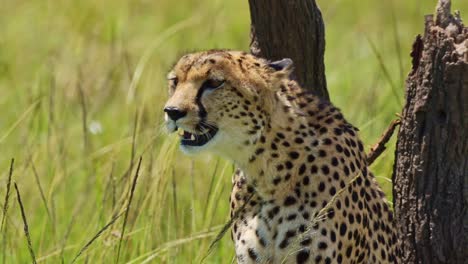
x: 201, y: 109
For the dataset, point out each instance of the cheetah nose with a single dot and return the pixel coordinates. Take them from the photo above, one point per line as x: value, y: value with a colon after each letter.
x: 174, y: 113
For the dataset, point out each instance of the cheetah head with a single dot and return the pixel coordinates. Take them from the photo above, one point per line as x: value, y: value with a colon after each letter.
x: 221, y: 100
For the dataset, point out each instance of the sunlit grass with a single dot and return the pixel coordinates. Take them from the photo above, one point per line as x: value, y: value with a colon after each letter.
x: 82, y: 85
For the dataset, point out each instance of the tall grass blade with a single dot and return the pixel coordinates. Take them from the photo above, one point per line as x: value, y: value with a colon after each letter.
x: 226, y: 228
x: 98, y: 234
x: 210, y: 189
x: 397, y: 43
x: 26, y: 227
x: 149, y: 256
x: 51, y: 113
x: 174, y: 199
x: 384, y: 70
x: 5, y: 210
x: 41, y: 191
x: 132, y: 191
x: 7, y: 195
x: 75, y: 213
x: 84, y: 116
x: 20, y: 119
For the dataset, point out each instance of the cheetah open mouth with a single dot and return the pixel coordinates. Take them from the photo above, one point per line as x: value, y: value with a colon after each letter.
x: 197, y: 140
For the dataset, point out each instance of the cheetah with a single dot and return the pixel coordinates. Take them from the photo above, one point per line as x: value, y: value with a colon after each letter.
x: 303, y: 192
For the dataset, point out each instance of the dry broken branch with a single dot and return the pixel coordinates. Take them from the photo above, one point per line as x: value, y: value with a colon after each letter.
x: 379, y: 147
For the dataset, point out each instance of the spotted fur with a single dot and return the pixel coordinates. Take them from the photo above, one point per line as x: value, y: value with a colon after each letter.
x: 303, y: 192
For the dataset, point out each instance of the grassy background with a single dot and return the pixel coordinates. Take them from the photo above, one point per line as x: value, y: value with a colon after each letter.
x: 82, y: 85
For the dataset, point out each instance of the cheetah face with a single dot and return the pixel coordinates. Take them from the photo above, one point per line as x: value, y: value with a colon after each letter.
x: 201, y: 110
x: 219, y: 101
x: 206, y: 98
x: 187, y: 112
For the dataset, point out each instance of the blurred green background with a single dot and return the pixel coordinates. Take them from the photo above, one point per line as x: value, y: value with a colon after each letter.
x: 82, y: 85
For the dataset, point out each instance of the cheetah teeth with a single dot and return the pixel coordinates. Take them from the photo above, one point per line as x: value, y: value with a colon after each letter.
x: 185, y: 134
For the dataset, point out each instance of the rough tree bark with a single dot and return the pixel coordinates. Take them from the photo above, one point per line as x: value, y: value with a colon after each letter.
x: 431, y: 160
x: 291, y: 29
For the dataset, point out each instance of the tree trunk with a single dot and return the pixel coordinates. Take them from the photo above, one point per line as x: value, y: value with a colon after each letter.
x: 291, y: 29
x: 431, y: 160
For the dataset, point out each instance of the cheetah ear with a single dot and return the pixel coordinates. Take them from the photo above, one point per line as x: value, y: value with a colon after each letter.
x: 281, y: 65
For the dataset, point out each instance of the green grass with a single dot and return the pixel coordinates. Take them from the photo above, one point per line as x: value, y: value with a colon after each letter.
x: 82, y: 85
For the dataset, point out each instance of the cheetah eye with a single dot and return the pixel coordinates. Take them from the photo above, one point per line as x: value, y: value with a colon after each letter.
x: 173, y: 81
x: 212, y: 84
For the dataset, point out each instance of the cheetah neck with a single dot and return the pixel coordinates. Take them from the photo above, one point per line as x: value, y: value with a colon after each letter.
x: 278, y: 156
